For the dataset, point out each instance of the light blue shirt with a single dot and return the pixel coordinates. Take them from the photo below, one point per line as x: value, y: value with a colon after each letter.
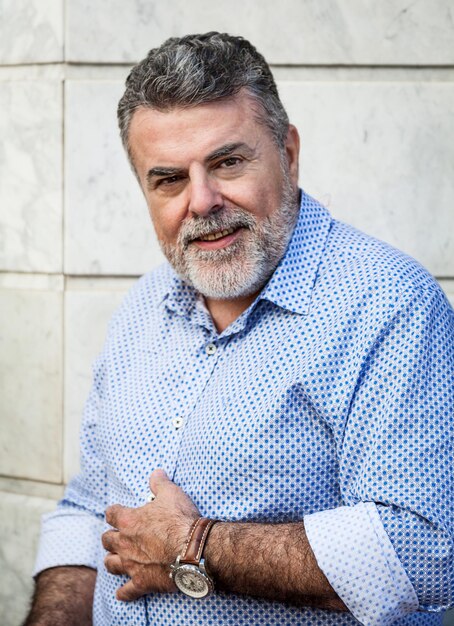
x: 330, y: 400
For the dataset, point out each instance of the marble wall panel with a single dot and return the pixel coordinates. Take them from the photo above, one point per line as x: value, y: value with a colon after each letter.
x: 293, y: 32
x: 31, y: 488
x: 31, y: 384
x: 30, y: 176
x: 381, y: 157
x: 448, y: 288
x: 107, y: 228
x: 88, y: 308
x: 19, y: 530
x: 31, y: 31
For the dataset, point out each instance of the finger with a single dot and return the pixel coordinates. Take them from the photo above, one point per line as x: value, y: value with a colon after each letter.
x: 115, y: 515
x: 114, y: 564
x: 158, y: 481
x: 110, y: 540
x: 128, y: 592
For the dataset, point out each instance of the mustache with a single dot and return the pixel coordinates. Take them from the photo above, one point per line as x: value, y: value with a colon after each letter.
x: 198, y: 227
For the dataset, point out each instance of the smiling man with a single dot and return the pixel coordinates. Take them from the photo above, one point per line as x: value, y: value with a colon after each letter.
x: 223, y: 211
x: 292, y: 376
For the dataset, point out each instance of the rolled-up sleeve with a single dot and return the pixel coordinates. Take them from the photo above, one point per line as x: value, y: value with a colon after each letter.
x: 390, y: 550
x: 68, y: 537
x: 353, y: 549
x: 71, y: 534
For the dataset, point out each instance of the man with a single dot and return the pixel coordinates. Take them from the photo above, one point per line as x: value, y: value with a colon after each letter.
x: 292, y: 376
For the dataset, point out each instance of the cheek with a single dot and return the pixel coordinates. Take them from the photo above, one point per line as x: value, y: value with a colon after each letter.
x: 265, y: 195
x: 250, y: 199
x: 166, y: 226
x: 266, y: 202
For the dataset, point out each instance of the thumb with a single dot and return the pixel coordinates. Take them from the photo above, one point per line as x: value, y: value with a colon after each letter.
x: 158, y: 480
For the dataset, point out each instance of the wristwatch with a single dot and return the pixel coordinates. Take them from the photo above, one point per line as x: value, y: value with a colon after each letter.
x: 188, y: 572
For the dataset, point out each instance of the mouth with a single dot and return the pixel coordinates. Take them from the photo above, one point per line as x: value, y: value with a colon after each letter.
x: 218, y: 235
x: 218, y: 239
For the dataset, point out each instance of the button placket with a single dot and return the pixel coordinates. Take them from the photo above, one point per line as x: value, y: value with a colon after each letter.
x: 178, y: 421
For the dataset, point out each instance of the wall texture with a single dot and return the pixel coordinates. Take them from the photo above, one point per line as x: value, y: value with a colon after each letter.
x: 370, y: 86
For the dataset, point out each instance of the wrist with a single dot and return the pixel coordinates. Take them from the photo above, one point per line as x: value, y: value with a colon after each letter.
x: 188, y: 572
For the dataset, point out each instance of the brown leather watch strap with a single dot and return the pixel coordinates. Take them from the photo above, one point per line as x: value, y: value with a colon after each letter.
x: 193, y: 550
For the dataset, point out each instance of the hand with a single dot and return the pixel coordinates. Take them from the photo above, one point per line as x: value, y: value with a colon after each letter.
x: 148, y: 539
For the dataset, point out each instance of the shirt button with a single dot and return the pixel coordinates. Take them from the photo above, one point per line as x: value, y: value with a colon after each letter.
x: 210, y: 348
x: 177, y: 422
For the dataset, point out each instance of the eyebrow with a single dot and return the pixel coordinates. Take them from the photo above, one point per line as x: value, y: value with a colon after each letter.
x: 156, y: 172
x: 227, y: 149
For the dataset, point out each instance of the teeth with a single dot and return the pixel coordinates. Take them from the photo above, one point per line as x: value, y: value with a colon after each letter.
x: 218, y: 235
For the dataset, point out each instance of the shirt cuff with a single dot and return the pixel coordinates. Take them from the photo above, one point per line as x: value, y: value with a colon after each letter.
x: 68, y: 537
x: 357, y: 557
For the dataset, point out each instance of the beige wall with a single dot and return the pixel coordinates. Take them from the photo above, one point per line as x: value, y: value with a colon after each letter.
x: 370, y: 86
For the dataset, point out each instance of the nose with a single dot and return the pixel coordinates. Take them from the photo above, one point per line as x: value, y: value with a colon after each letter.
x: 205, y: 196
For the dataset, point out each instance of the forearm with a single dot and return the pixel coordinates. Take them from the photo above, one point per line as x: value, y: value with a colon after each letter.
x: 63, y: 595
x: 272, y: 561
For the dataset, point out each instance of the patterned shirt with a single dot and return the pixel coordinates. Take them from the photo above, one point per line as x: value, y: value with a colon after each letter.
x: 329, y: 400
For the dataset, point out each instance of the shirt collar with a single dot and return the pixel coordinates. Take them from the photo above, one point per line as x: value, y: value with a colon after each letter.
x: 291, y: 285
x: 177, y: 295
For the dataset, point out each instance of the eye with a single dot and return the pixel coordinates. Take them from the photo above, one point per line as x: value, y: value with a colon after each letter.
x: 230, y: 162
x: 169, y: 180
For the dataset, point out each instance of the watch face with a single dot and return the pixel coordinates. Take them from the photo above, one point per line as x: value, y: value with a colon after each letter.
x: 190, y: 580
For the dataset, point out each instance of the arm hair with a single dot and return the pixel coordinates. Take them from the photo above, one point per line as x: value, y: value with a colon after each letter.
x: 63, y: 596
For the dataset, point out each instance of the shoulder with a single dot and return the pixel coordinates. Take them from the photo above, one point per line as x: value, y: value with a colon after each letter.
x: 362, y: 263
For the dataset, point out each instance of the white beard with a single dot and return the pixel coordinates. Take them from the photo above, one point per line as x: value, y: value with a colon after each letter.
x: 243, y: 267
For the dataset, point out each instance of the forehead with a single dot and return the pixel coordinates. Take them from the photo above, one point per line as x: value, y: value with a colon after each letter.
x: 179, y: 133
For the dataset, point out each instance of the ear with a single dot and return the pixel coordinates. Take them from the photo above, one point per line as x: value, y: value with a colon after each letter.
x: 292, y: 150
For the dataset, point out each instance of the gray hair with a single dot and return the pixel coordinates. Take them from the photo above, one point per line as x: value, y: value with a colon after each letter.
x: 195, y: 69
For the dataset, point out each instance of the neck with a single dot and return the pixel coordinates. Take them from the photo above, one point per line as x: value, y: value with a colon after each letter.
x: 224, y: 312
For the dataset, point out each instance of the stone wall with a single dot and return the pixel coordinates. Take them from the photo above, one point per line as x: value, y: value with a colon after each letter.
x: 370, y: 86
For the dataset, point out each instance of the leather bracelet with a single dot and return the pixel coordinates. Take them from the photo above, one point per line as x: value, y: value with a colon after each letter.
x: 188, y: 572
x: 195, y: 543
